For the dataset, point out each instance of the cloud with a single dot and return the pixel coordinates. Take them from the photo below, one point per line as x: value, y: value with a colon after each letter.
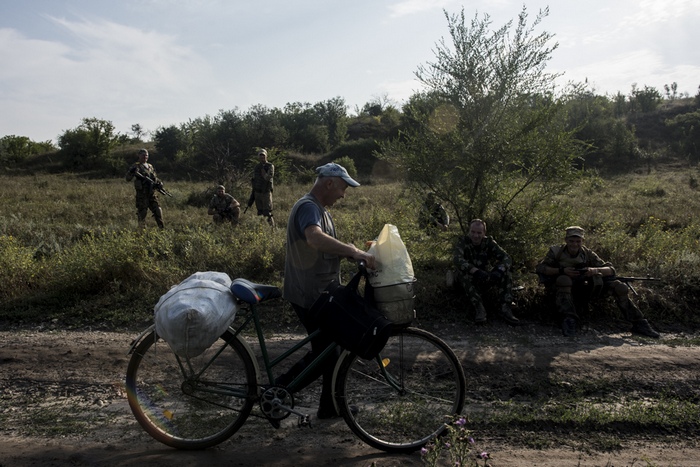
x: 99, y: 68
x: 400, y: 91
x: 130, y: 58
x: 641, y: 67
x: 411, y: 7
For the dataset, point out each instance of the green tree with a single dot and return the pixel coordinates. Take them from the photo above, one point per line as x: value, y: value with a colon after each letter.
x: 19, y: 148
x: 89, y: 143
x: 489, y: 128
x: 644, y: 100
x: 610, y: 142
x: 305, y: 129
x: 333, y: 115
x: 170, y: 141
x: 138, y: 132
x: 686, y: 131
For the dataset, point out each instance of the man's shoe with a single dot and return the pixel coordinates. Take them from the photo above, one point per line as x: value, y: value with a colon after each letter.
x: 642, y: 326
x: 480, y: 317
x: 507, y: 315
x: 568, y: 327
x: 274, y: 422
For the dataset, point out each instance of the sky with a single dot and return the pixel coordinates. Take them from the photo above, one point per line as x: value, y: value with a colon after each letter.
x: 158, y: 63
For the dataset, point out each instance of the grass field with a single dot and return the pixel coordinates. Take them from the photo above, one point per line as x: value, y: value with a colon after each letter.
x: 71, y: 251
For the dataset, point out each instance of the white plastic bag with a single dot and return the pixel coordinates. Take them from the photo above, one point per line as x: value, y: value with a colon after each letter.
x: 192, y: 315
x: 393, y: 279
x: 393, y: 262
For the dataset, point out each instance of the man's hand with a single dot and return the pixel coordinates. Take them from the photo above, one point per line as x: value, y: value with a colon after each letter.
x: 369, y: 260
x: 132, y: 170
x: 481, y: 276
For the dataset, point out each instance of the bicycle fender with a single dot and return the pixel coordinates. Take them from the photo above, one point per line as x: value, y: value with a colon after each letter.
x: 248, y: 349
x: 136, y: 341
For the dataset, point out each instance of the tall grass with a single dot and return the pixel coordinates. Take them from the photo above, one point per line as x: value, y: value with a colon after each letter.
x: 70, y: 250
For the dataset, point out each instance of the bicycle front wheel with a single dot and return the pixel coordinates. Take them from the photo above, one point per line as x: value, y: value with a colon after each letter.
x: 406, y: 396
x: 191, y: 403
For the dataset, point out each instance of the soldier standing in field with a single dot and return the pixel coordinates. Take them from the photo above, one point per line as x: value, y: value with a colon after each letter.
x: 223, y: 207
x: 145, y: 183
x: 263, y: 174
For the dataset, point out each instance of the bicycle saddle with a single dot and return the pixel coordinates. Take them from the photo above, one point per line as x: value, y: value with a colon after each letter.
x: 252, y: 293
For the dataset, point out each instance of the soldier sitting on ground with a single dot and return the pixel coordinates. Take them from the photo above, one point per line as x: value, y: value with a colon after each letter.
x: 223, y: 207
x: 576, y: 273
x: 433, y: 215
x: 482, y: 264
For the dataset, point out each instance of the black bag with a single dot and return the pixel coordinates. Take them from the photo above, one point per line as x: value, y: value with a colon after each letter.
x: 351, y: 320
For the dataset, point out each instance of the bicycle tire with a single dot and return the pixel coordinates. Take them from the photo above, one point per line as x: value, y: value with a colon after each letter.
x: 431, y: 388
x: 191, y: 403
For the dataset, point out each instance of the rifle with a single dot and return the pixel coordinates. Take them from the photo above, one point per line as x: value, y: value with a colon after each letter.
x: 627, y: 280
x: 251, y: 200
x: 152, y: 185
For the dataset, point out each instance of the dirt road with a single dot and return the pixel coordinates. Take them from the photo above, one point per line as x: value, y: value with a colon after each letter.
x: 62, y: 401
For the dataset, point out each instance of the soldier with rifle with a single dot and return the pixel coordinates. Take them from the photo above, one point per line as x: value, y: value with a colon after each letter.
x: 146, y: 184
x: 223, y: 207
x: 576, y: 274
x: 263, y: 173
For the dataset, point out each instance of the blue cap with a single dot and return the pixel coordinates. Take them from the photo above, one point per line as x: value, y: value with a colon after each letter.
x: 335, y: 170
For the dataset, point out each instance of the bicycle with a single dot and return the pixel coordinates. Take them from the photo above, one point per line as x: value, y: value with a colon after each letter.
x: 397, y: 402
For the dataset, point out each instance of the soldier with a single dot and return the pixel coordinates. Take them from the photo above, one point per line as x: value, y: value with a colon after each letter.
x: 576, y: 273
x: 433, y: 214
x: 263, y: 174
x: 223, y: 207
x: 145, y: 182
x: 481, y: 264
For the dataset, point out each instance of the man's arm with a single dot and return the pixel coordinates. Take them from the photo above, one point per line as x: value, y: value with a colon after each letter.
x: 268, y: 171
x: 318, y: 240
x: 500, y: 255
x: 460, y: 259
x: 212, y: 209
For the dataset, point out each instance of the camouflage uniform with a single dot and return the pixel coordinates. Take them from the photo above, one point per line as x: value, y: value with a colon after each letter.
x: 432, y: 213
x: 263, y: 174
x: 225, y: 209
x: 146, y: 195
x: 573, y: 296
x: 487, y: 256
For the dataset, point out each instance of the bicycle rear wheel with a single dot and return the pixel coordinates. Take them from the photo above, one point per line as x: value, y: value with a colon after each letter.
x: 191, y: 403
x: 406, y: 396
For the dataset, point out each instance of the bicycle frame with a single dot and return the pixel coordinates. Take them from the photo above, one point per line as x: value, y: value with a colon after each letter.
x: 270, y: 364
x: 251, y: 315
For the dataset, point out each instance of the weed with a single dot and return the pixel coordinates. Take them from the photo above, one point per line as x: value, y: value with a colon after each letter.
x: 457, y: 446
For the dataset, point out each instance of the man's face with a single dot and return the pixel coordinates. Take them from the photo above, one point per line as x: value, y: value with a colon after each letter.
x: 477, y: 233
x: 143, y: 157
x: 336, y: 190
x: 573, y: 244
x: 262, y: 158
x: 220, y: 192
